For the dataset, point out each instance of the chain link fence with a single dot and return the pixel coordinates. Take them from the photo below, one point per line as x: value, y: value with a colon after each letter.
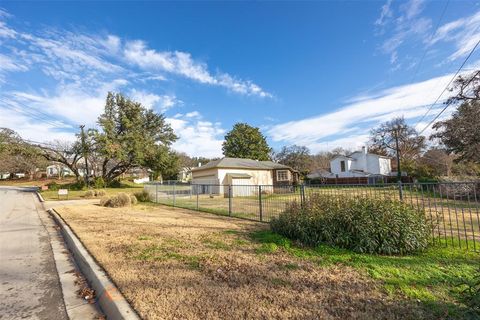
x: 452, y: 208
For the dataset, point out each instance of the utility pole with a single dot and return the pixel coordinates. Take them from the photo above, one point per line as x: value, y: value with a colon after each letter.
x: 84, y: 153
x: 399, y: 169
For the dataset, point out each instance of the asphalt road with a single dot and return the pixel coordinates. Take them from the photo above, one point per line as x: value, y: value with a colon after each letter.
x: 29, y: 284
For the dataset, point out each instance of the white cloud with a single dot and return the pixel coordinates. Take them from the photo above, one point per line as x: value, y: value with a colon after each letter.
x: 362, y: 113
x: 70, y: 103
x: 406, y: 24
x: 464, y: 33
x: 182, y: 63
x: 9, y: 64
x: 197, y: 137
x: 385, y: 14
x: 31, y: 129
x: 152, y: 101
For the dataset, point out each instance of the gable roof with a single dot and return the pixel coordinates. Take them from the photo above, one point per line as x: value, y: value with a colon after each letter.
x: 239, y: 163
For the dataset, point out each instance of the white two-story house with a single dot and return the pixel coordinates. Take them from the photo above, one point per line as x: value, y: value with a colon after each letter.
x: 356, y: 165
x: 360, y: 164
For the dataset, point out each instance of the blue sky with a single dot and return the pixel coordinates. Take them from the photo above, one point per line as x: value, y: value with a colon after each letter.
x: 319, y: 74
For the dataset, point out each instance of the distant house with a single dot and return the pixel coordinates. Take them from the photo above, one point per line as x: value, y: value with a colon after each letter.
x: 360, y: 164
x: 58, y: 170
x: 244, y: 173
x: 185, y: 174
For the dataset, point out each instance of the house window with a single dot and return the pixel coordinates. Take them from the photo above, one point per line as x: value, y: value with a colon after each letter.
x: 342, y: 166
x: 282, y: 175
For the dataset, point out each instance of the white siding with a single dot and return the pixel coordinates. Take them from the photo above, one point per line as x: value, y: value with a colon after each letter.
x: 262, y: 177
x: 335, y: 166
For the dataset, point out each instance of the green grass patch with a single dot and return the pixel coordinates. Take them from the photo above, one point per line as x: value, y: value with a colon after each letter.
x: 433, y: 277
x: 160, y: 253
x: 216, y: 244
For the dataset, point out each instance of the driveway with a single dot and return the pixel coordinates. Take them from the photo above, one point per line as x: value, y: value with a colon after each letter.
x: 29, y: 284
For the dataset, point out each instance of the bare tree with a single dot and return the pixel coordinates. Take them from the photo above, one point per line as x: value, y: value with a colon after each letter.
x: 64, y: 152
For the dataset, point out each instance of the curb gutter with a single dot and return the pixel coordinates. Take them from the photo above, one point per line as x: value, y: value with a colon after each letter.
x: 111, y: 301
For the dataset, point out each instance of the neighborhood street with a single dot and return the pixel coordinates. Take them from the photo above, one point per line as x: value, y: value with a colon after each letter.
x: 29, y: 284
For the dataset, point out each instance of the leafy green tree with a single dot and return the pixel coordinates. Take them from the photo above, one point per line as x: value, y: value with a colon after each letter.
x: 461, y: 133
x: 130, y: 136
x: 245, y: 141
x: 16, y: 155
x: 297, y: 157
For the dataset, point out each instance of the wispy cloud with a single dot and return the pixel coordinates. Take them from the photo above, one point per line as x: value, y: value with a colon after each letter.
x: 91, y: 58
x: 404, y: 23
x: 182, y: 63
x: 385, y: 14
x: 463, y: 32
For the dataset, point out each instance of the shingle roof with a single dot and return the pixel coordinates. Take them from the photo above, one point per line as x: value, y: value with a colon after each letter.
x: 240, y: 163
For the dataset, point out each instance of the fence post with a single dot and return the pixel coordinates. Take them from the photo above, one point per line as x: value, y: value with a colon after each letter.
x: 229, y: 200
x: 260, y: 202
x: 302, y: 195
x: 174, y: 194
x: 156, y: 193
x: 196, y: 188
x: 400, y: 189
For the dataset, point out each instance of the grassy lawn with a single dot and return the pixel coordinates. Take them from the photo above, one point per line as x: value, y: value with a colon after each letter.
x: 175, y: 263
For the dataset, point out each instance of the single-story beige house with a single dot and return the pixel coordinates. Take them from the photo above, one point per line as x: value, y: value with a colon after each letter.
x: 244, y: 174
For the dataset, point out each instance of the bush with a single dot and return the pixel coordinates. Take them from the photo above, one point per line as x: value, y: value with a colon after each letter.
x: 361, y: 224
x: 133, y: 199
x: 471, y: 295
x: 100, y: 193
x: 79, y: 185
x: 142, y: 196
x: 53, y: 186
x: 89, y: 194
x: 120, y: 200
x: 99, y: 183
x: 105, y: 202
x: 115, y: 184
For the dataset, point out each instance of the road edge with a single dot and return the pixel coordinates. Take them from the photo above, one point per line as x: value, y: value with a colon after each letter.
x: 111, y: 301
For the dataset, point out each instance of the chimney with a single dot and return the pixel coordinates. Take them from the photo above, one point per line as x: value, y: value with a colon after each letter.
x: 364, y: 159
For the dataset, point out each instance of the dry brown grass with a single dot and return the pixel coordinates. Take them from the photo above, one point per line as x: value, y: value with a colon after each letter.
x: 179, y: 264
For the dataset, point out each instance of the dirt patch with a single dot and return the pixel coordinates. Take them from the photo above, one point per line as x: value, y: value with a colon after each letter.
x: 178, y: 264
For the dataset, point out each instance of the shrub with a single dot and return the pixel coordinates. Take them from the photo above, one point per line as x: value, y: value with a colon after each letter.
x: 361, y: 224
x: 120, y: 200
x: 115, y: 184
x: 99, y: 183
x: 133, y: 199
x: 89, y: 194
x: 100, y: 193
x: 471, y: 295
x: 79, y: 185
x: 53, y: 186
x: 142, y: 196
x: 105, y: 202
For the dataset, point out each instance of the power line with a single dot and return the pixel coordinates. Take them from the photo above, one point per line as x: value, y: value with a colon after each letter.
x: 431, y: 37
x: 448, y: 84
x: 456, y: 73
x: 35, y: 114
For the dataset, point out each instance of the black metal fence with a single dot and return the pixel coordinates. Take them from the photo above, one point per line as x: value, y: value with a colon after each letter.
x: 453, y: 208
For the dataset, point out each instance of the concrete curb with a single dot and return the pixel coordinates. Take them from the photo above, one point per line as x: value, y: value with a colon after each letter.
x: 40, y: 196
x: 111, y: 301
